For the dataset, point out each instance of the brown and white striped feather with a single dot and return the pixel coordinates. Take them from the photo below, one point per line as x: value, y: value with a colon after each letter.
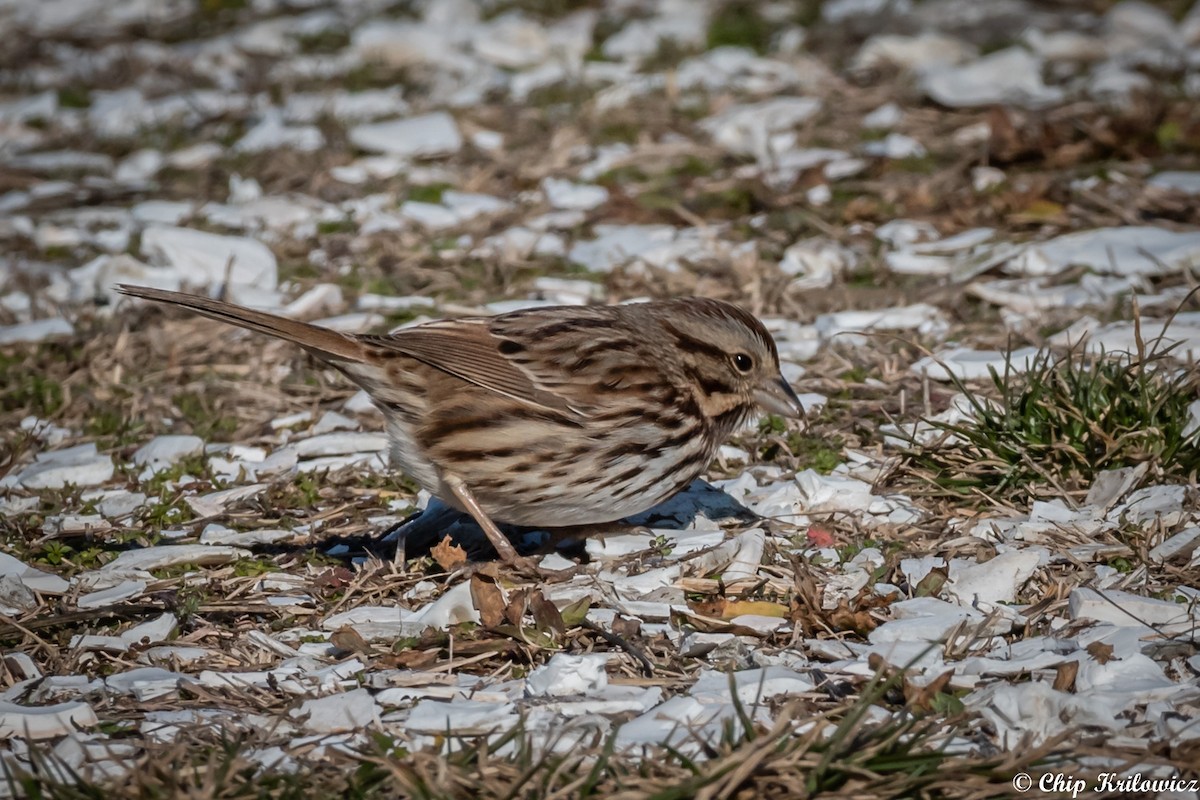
x: 604, y: 397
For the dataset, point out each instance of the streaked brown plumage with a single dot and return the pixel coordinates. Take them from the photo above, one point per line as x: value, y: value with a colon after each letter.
x: 551, y: 417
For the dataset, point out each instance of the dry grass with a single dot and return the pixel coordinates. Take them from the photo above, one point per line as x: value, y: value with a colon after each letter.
x: 829, y: 753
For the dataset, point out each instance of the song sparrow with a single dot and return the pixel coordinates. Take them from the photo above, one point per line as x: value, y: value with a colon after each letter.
x: 550, y: 417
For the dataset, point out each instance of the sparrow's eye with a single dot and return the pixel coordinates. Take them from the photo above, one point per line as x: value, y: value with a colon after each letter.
x: 743, y: 362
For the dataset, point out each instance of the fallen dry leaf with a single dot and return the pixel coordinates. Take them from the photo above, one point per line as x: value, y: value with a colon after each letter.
x: 1041, y: 211
x: 1064, y: 676
x: 725, y: 608
x: 410, y: 659
x: 518, y: 601
x: 845, y: 618
x: 1100, y: 651
x: 333, y: 579
x: 348, y: 639
x: 921, y: 697
x: 931, y: 585
x: 574, y: 614
x: 545, y: 614
x: 626, y: 627
x: 819, y: 537
x: 448, y: 555
x: 489, y: 601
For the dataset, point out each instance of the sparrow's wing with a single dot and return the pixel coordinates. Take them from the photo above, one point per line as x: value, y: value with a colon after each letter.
x: 468, y: 350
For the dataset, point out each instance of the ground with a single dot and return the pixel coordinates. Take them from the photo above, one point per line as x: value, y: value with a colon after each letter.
x: 971, y: 228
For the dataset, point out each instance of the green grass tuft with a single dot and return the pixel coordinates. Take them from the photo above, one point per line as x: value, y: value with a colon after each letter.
x: 198, y: 410
x: 74, y: 97
x: 431, y: 193
x: 26, y: 389
x: 740, y: 24
x: 1067, y: 419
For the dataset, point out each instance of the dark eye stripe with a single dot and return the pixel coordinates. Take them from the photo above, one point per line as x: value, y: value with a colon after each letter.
x: 691, y: 344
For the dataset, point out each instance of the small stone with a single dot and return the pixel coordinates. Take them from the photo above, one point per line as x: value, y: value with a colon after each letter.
x: 347, y: 711
x: 176, y: 654
x: 154, y: 631
x: 36, y: 331
x: 565, y: 675
x: 321, y: 300
x: 432, y: 216
x: 35, y: 579
x: 425, y: 136
x: 219, y: 534
x: 97, y: 280
x: 896, y: 146
x: 852, y: 327
x: 748, y: 129
x: 747, y: 558
x: 361, y: 403
x: 144, y: 683
x: 139, y: 166
x: 196, y: 157
x: 44, y: 722
x: 1034, y: 712
x: 815, y: 263
x: 460, y: 717
x: 214, y: 503
x: 819, y: 195
x: 1126, y: 609
x: 74, y: 466
x: 487, y: 141
x: 1010, y: 76
x: 344, y: 106
x: 162, y: 452
x: 45, y: 431
x: 1176, y: 181
x: 997, y: 580
x: 967, y: 364
x: 1181, y: 545
x: 63, y: 161
x: 21, y: 666
x: 357, y: 322
x: 332, y: 421
x: 299, y: 419
x: 115, y: 504
x: 135, y: 564
x: 453, y: 607
x: 209, y: 259
x: 884, y: 117
x: 16, y: 598
x: 697, y: 644
x: 682, y: 722
x: 752, y: 686
x: 272, y: 134
x: 568, y: 196
x: 339, y: 443
x: 1130, y: 250
x: 985, y: 178
x: 125, y: 590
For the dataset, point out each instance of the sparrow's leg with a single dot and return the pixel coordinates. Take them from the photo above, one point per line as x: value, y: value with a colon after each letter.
x: 504, y: 548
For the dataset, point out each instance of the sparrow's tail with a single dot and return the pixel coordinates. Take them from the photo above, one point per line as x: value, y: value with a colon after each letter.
x: 321, y: 342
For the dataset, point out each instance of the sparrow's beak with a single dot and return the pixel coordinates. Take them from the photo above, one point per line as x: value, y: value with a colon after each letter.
x: 776, y: 397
